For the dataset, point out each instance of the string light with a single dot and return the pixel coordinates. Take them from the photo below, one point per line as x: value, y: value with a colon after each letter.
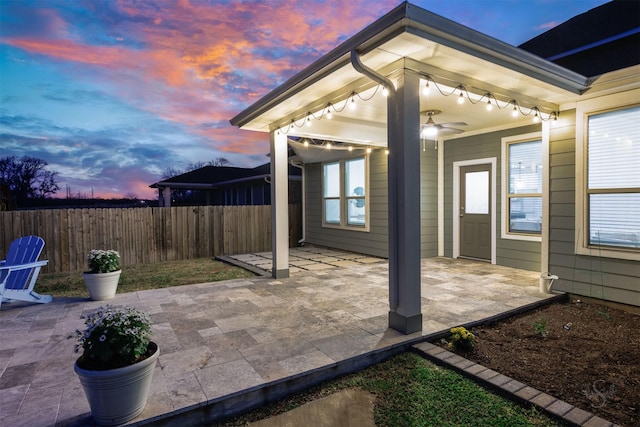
x: 368, y: 150
x: 328, y: 112
x: 386, y: 152
x: 460, y: 90
x: 425, y: 88
x: 328, y: 146
x: 350, y: 148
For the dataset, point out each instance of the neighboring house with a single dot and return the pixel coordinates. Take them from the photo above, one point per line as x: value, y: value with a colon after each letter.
x: 227, y: 186
x: 548, y: 180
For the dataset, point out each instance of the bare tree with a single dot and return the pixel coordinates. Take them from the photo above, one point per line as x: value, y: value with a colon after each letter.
x: 220, y: 161
x: 27, y: 178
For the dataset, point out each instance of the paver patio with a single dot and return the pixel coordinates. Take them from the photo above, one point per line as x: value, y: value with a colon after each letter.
x: 224, y: 338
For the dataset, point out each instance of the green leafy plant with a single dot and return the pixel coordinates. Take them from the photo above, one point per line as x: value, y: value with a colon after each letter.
x: 461, y: 338
x: 113, y: 337
x: 541, y: 327
x: 101, y: 261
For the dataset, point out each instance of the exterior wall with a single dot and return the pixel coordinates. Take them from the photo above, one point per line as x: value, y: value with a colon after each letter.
x: 428, y: 200
x: 511, y: 253
x: 374, y: 242
x: 589, y: 275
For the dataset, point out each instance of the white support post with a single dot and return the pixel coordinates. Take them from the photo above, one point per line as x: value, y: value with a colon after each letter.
x: 279, y: 205
x: 403, y: 114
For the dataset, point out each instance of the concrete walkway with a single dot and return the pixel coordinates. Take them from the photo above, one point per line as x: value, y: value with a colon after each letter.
x: 232, y: 345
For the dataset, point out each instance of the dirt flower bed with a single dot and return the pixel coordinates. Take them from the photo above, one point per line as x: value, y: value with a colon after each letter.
x: 583, y: 353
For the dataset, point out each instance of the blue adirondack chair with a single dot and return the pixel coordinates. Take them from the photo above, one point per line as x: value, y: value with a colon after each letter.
x: 19, y: 272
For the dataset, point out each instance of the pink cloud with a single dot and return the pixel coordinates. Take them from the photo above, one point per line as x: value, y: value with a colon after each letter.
x: 198, y: 64
x: 548, y: 25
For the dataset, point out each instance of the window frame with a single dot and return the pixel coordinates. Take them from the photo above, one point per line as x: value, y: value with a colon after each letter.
x: 584, y: 110
x: 505, y: 233
x: 344, y: 198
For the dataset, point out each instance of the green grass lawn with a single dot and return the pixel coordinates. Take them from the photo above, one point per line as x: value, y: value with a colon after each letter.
x: 411, y: 391
x: 145, y: 276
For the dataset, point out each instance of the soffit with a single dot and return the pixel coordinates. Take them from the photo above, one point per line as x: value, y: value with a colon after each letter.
x: 448, y: 56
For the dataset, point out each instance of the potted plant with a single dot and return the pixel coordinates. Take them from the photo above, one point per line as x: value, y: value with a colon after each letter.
x: 117, y: 362
x: 103, y: 275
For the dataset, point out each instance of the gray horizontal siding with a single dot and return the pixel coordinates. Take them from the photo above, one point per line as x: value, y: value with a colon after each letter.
x: 588, y: 275
x: 375, y: 241
x: 428, y: 202
x: 511, y: 253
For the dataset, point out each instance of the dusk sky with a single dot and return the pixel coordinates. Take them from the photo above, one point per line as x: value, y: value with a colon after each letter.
x: 112, y: 93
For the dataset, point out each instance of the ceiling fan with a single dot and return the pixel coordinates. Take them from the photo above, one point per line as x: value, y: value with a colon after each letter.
x: 431, y: 128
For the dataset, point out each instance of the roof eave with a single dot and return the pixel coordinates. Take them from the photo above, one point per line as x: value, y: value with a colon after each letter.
x: 335, y: 59
x: 410, y: 18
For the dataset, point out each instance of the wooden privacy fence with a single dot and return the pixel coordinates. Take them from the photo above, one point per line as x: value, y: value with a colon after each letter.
x: 144, y: 235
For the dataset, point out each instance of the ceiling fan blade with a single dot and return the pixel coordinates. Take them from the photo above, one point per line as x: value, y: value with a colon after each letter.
x: 454, y: 124
x: 450, y: 130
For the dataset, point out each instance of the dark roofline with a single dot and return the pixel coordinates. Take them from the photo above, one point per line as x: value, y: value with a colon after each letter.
x: 241, y: 175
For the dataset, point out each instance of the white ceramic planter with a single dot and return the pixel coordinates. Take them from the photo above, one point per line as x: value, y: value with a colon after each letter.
x: 102, y: 286
x: 118, y: 395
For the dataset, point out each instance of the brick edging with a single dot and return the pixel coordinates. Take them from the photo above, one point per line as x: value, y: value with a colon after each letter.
x: 510, y: 388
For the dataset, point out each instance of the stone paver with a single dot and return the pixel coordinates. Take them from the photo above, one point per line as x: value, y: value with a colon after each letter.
x: 221, y: 339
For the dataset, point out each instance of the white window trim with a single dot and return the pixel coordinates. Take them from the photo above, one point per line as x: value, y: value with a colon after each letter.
x: 343, y: 198
x: 583, y: 110
x: 504, y: 232
x: 456, y: 203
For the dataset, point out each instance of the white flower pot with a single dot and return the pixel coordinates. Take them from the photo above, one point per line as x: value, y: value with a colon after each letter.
x: 102, y: 286
x: 118, y: 395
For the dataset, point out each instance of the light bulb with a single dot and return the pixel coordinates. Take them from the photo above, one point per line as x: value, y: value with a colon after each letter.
x: 306, y: 143
x: 489, y: 105
x: 329, y: 114
x: 386, y: 152
x: 350, y: 148
x: 368, y: 150
x: 352, y: 103
x: 429, y: 131
x: 461, y: 98
x: 514, y: 112
x: 328, y: 146
x: 536, y: 118
x: 425, y: 89
x: 385, y: 91
x: 308, y: 121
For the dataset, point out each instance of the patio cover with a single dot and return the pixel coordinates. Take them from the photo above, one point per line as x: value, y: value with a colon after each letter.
x: 402, y: 51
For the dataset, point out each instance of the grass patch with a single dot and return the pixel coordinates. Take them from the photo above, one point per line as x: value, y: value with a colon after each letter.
x: 411, y: 391
x: 141, y: 277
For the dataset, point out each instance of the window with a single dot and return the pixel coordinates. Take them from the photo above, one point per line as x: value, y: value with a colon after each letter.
x: 344, y: 186
x: 613, y: 178
x: 522, y: 200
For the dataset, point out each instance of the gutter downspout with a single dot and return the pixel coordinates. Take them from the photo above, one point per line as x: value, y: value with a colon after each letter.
x: 394, y: 291
x: 363, y: 69
x: 304, y: 197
